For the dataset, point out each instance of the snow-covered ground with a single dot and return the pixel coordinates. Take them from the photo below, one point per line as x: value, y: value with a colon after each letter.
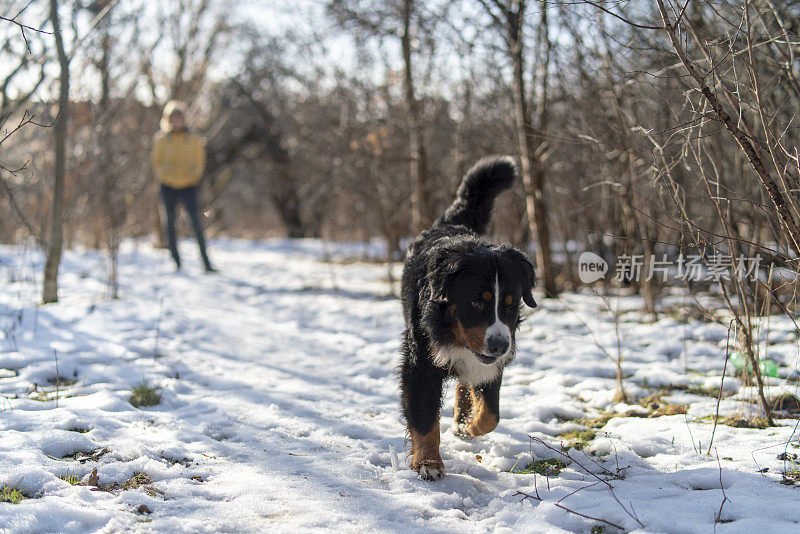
x: 279, y: 408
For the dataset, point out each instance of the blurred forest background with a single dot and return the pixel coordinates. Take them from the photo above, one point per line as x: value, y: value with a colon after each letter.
x: 640, y: 127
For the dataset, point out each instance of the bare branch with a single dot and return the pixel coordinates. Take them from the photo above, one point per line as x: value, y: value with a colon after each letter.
x: 615, y: 15
x: 23, y: 27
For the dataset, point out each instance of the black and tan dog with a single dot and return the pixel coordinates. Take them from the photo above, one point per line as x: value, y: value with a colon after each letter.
x: 461, y: 300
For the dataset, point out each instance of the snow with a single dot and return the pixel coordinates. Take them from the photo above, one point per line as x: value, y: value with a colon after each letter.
x: 279, y: 406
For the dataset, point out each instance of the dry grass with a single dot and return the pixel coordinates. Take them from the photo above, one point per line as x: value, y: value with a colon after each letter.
x: 658, y: 406
x: 786, y: 403
x: 578, y: 439
x: 144, y: 396
x: 596, y: 422
x: 138, y: 480
x: 655, y: 404
x: 87, y: 456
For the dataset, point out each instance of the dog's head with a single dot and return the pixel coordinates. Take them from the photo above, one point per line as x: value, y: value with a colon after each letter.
x: 481, y: 291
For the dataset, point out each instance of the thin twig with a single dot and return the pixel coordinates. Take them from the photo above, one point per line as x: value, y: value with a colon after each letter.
x: 23, y: 27
x: 559, y: 505
x: 158, y: 326
x: 100, y: 16
x: 615, y: 15
x: 724, y: 496
x: 721, y: 384
x: 58, y: 376
x: 592, y: 473
x: 20, y: 214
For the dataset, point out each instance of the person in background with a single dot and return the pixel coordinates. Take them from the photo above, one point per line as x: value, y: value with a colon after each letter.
x: 179, y: 158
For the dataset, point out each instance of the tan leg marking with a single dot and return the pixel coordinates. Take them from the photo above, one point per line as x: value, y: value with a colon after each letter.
x: 425, y: 458
x: 483, y: 420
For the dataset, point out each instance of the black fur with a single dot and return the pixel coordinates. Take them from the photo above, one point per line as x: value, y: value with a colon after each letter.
x: 475, y: 197
x: 447, y: 270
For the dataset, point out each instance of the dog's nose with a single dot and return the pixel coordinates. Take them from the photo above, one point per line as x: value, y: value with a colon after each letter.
x: 497, y: 345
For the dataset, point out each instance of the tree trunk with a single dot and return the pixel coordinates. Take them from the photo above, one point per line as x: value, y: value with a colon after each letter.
x: 533, y: 170
x: 113, y: 211
x: 420, y: 201
x: 50, y: 286
x: 287, y: 201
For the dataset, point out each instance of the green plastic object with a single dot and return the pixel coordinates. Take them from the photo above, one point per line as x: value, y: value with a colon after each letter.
x: 769, y: 368
x: 739, y: 361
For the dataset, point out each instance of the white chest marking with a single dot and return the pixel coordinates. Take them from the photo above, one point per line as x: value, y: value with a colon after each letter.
x: 466, y: 365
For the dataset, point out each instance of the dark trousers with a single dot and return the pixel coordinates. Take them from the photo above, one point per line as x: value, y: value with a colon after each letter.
x: 188, y: 197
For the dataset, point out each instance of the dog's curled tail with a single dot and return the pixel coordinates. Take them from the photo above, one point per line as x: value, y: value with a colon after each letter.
x: 474, y: 200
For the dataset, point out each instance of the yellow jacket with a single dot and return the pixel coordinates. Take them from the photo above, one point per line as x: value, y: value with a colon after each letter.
x: 178, y: 158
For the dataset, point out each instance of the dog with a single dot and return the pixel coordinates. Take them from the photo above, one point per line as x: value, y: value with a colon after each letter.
x: 461, y: 297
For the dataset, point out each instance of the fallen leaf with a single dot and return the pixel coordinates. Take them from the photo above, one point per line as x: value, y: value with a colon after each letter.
x: 93, y: 479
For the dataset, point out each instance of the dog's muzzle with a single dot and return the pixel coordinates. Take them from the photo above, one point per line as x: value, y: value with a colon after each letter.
x: 496, y: 346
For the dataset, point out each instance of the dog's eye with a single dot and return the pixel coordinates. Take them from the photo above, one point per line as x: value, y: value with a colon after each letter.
x: 477, y: 304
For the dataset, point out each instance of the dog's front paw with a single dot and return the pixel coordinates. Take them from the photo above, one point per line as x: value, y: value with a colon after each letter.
x: 429, y: 469
x: 459, y: 430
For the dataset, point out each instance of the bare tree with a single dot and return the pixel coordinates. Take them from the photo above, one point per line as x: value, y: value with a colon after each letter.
x: 411, y: 21
x: 111, y: 209
x: 509, y: 19
x: 56, y: 237
x: 420, y: 202
x: 24, y: 60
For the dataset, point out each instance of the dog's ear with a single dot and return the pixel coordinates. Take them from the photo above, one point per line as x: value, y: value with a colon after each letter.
x: 442, y: 270
x: 528, y: 274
